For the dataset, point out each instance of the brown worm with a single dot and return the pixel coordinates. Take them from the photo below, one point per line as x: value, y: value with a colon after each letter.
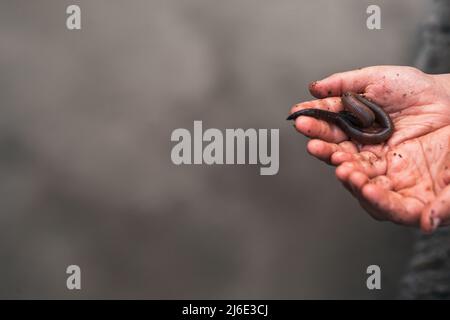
x: 362, y: 120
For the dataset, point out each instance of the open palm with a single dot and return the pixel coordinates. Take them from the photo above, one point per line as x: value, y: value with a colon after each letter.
x: 406, y: 179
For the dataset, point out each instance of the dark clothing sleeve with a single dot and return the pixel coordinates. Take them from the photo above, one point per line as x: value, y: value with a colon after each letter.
x: 428, y: 274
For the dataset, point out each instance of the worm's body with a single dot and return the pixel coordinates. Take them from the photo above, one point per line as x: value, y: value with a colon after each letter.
x: 362, y: 120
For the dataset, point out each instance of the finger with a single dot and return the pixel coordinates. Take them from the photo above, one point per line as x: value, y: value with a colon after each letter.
x: 340, y: 157
x: 378, y: 150
x: 391, y: 205
x: 357, y: 162
x: 370, y: 163
x: 376, y: 198
x: 343, y: 173
x: 319, y: 129
x: 383, y: 181
x: 344, y: 170
x: 352, y: 180
x: 348, y: 146
x: 345, y: 153
x: 437, y: 212
x: 357, y: 180
x: 372, y: 210
x: 338, y: 83
x: 333, y: 104
x: 314, y: 128
x: 324, y: 150
x: 321, y: 150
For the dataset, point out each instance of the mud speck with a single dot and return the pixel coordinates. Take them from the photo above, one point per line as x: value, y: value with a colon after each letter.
x: 312, y: 85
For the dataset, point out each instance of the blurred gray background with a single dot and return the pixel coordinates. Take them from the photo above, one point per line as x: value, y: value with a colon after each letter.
x: 85, y: 171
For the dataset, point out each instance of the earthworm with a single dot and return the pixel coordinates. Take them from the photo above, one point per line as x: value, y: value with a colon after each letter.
x: 362, y: 120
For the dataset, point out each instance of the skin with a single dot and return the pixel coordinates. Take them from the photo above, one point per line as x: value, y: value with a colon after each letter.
x: 359, y: 113
x: 406, y: 179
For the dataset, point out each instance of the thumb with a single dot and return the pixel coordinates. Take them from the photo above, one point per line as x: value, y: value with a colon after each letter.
x: 437, y: 212
x: 338, y: 83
